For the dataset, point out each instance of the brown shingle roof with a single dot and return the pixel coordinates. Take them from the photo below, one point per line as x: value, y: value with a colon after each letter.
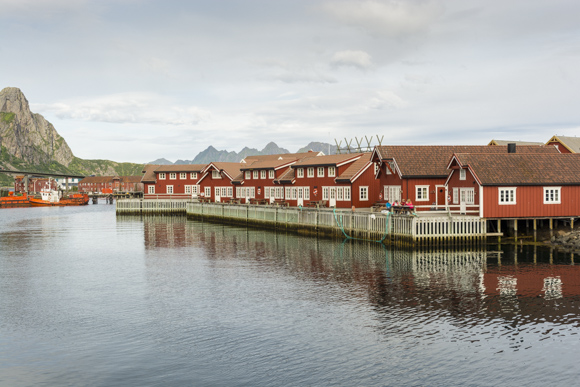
x: 327, y: 160
x: 353, y: 170
x: 282, y: 156
x: 505, y: 142
x: 231, y: 169
x: 180, y: 168
x: 523, y: 169
x: 287, y: 177
x: 432, y: 160
x: 149, y: 173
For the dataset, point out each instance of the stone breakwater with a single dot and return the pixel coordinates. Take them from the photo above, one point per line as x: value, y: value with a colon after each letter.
x: 566, y: 240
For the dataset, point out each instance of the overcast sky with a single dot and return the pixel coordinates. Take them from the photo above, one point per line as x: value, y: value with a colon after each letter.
x: 136, y: 80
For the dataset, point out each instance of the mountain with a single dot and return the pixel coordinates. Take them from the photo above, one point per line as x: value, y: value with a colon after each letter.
x: 163, y: 162
x: 29, y: 142
x: 328, y: 149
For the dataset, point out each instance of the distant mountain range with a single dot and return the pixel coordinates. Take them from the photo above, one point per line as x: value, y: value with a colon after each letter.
x: 212, y: 154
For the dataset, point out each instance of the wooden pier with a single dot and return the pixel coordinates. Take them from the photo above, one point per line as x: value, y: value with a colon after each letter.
x: 406, y: 229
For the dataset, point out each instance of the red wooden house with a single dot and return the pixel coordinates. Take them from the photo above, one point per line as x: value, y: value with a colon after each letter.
x: 35, y: 184
x: 215, y: 183
x: 171, y: 181
x: 516, y: 185
x: 565, y: 144
x: 259, y: 177
x: 419, y: 172
x: 333, y: 180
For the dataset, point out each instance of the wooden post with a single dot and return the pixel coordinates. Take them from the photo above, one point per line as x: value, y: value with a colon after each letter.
x: 551, y: 227
x: 535, y: 230
x: 516, y: 230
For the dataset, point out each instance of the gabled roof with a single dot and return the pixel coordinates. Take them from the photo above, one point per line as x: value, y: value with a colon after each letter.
x: 231, y: 170
x: 505, y: 142
x: 149, y: 173
x: 356, y: 168
x: 570, y: 143
x: 521, y: 169
x: 282, y: 156
x: 287, y: 177
x: 336, y: 160
x: 430, y: 161
x: 267, y: 164
x: 180, y: 168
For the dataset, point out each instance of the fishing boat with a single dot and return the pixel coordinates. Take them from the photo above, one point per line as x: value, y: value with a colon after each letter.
x: 50, y: 197
x: 12, y: 200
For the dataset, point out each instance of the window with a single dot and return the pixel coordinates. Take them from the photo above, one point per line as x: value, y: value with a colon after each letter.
x: 331, y: 171
x: 455, y: 195
x: 271, y: 174
x: 207, y: 192
x: 310, y: 172
x: 224, y: 191
x: 288, y: 192
x: 238, y: 192
x: 299, y: 172
x: 263, y: 174
x: 255, y: 174
x: 183, y: 176
x: 392, y: 193
x: 347, y: 193
x: 294, y: 193
x: 422, y: 193
x: 187, y: 189
x: 552, y: 195
x: 306, y: 193
x: 376, y: 168
x: 320, y: 172
x: 266, y: 192
x: 194, y: 189
x: 169, y: 189
x: 507, y: 196
x: 248, y: 175
x: 324, y: 193
x: 363, y: 193
x: 173, y: 176
x: 217, y: 192
x: 193, y: 175
x: 462, y: 174
x: 230, y: 192
x: 339, y: 193
x: 162, y: 176
x: 252, y: 192
x: 216, y: 174
x: 151, y: 189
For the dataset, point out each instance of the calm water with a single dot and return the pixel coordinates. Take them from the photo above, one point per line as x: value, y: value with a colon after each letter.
x: 89, y: 299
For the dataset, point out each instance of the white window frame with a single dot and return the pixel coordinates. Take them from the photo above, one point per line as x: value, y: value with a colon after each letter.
x: 195, y: 189
x: 193, y: 175
x: 325, y: 193
x: 421, y: 193
x: 161, y: 175
x: 552, y: 195
x: 271, y: 174
x: 207, y: 192
x: 151, y: 189
x: 462, y: 174
x: 299, y: 172
x: 331, y: 171
x: 252, y: 192
x: 173, y: 176
x: 306, y: 193
x: 248, y: 175
x: 169, y: 189
x: 310, y: 172
x: 216, y: 174
x: 288, y: 193
x: 255, y: 175
x: 230, y: 193
x: 266, y: 192
x: 187, y: 189
x: 263, y: 174
x: 182, y: 176
x: 363, y: 193
x: 506, y: 196
x: 339, y: 193
x: 320, y: 172
x: 294, y: 190
x: 347, y: 196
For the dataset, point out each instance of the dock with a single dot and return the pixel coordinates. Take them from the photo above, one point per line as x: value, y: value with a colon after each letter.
x: 412, y: 229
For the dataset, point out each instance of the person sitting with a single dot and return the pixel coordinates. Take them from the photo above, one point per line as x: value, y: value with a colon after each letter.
x: 409, y: 204
x: 388, y: 205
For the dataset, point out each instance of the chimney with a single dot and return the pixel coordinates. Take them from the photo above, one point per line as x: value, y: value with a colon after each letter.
x: 512, y: 148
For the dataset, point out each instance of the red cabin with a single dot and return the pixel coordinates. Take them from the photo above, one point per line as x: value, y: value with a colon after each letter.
x: 171, y: 181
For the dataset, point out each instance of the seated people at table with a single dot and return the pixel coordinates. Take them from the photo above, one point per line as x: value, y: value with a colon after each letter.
x: 396, y: 203
x: 388, y: 205
x: 409, y: 204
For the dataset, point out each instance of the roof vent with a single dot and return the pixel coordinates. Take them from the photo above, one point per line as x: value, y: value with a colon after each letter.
x: 512, y: 148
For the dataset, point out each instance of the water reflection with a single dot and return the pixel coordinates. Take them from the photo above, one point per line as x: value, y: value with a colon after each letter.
x: 466, y: 288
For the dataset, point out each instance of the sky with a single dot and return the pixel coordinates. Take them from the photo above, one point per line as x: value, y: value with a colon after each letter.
x: 138, y: 80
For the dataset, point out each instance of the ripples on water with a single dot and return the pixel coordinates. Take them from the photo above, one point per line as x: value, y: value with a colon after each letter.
x: 91, y: 299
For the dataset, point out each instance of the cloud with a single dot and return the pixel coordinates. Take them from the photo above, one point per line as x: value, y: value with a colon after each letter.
x: 358, y: 59
x: 390, y: 18
x: 136, y: 108
x: 384, y: 100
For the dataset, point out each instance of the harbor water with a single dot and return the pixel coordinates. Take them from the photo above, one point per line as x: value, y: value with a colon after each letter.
x: 88, y: 298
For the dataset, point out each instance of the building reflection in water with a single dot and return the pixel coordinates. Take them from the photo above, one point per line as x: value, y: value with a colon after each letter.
x: 463, y: 287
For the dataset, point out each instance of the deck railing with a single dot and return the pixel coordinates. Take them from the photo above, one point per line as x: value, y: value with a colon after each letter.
x: 358, y: 224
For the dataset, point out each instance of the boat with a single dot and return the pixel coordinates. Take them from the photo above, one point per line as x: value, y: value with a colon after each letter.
x: 51, y: 198
x: 14, y: 200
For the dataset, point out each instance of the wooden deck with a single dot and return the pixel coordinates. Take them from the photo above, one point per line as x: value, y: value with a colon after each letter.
x: 362, y: 224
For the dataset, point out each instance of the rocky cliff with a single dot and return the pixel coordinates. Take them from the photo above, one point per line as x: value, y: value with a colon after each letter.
x: 28, y: 136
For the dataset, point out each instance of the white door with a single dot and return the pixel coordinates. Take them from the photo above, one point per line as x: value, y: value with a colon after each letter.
x: 332, y: 197
x: 462, y: 201
x: 217, y: 194
x: 300, y: 196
